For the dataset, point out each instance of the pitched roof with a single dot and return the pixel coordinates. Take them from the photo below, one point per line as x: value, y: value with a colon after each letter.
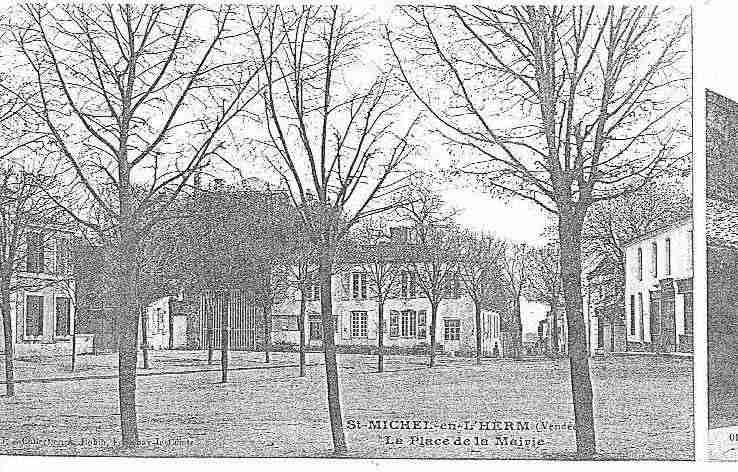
x: 720, y: 100
x: 385, y: 252
x: 662, y: 228
x: 722, y: 223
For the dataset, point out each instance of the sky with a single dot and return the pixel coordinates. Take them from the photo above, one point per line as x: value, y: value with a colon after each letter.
x: 715, y: 61
x: 511, y: 219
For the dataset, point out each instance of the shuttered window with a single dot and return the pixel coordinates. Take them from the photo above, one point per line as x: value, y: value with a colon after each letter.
x: 34, y: 315
x: 62, y: 256
x: 63, y: 312
x: 358, y: 285
x: 409, y: 323
x: 422, y: 321
x: 394, y: 325
x: 408, y: 285
x: 35, y: 252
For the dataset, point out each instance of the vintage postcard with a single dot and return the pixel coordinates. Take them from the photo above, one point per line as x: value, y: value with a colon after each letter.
x: 721, y: 143
x: 380, y: 231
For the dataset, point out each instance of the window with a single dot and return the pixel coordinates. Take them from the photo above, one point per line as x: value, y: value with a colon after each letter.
x: 160, y: 320
x: 453, y: 287
x: 640, y: 316
x: 407, y: 285
x: 359, y: 320
x: 668, y: 256
x: 153, y: 321
x: 62, y: 256
x: 35, y: 252
x: 358, y: 285
x: 451, y: 329
x: 654, y: 313
x: 394, y: 324
x: 316, y: 328
x: 688, y: 313
x: 422, y: 321
x: 409, y: 323
x: 63, y: 320
x: 600, y: 329
x: 654, y: 259
x: 632, y: 315
x: 640, y: 265
x: 34, y: 315
x: 313, y: 292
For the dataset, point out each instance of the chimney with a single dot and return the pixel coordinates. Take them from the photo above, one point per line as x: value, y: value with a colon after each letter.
x: 399, y: 235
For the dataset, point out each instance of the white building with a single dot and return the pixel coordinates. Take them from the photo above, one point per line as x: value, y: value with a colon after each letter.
x: 42, y: 310
x: 658, y: 289
x: 158, y: 324
x: 407, y: 317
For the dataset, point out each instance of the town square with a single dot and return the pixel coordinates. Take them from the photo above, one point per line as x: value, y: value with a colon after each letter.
x: 304, y: 230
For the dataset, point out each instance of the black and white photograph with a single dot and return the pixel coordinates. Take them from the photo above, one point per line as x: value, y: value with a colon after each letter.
x: 372, y: 232
x: 721, y: 233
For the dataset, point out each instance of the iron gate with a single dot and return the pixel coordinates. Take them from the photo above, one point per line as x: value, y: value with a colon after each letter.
x: 242, y: 317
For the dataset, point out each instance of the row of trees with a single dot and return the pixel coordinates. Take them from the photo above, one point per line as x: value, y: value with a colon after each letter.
x: 135, y: 100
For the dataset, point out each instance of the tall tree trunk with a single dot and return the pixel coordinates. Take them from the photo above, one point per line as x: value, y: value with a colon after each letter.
x: 325, y: 269
x: 555, y: 330
x: 380, y: 334
x: 8, y: 340
x: 434, y: 322
x: 128, y: 317
x: 478, y: 330
x: 210, y: 320
x: 517, y: 332
x: 225, y: 338
x: 581, y: 384
x: 74, y: 339
x: 267, y: 332
x: 144, y: 337
x: 301, y: 329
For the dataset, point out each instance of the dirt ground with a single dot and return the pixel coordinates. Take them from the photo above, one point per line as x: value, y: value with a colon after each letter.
x: 501, y: 409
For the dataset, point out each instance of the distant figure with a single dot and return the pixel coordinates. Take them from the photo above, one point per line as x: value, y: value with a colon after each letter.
x: 496, y: 351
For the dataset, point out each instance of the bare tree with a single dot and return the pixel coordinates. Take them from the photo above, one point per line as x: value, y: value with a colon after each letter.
x: 330, y: 136
x: 563, y: 106
x: 382, y: 261
x: 516, y: 276
x: 23, y: 205
x: 135, y: 95
x: 544, y: 283
x: 479, y: 266
x: 304, y: 270
x: 436, y: 254
x: 30, y: 225
x: 612, y: 223
x: 274, y: 288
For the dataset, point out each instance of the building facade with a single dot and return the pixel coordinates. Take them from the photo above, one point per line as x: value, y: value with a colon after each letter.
x: 555, y: 331
x: 721, y: 208
x: 42, y: 303
x: 407, y: 317
x: 658, y: 290
x: 604, y: 309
